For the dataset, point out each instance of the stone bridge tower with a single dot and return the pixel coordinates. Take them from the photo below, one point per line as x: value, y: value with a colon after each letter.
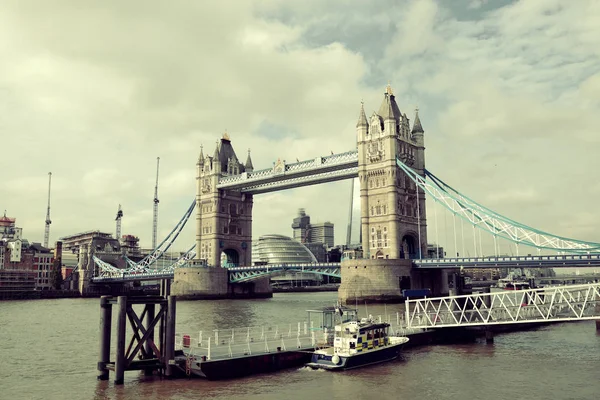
x: 223, y: 218
x: 393, y: 218
x: 223, y: 232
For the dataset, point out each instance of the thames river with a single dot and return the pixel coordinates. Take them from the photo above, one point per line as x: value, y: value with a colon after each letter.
x: 49, y: 350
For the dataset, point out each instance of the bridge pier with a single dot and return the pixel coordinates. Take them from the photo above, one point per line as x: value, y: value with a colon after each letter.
x: 373, y: 280
x: 382, y: 280
x: 205, y: 283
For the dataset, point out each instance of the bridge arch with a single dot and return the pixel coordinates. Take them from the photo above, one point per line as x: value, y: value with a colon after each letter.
x: 230, y: 257
x: 409, y: 247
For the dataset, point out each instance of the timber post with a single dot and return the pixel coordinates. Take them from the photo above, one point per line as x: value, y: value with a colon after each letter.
x: 105, y: 331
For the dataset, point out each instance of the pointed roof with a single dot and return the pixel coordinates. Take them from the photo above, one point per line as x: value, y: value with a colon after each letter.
x: 249, y: 166
x: 417, y: 125
x: 226, y: 152
x: 201, y: 156
x: 362, y: 118
x: 389, y: 108
x: 216, y: 153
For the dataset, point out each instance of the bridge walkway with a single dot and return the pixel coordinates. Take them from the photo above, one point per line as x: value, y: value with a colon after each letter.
x: 551, y: 304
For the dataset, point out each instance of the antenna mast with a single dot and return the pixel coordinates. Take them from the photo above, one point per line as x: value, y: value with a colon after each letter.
x: 48, y: 221
x: 155, y: 218
x: 118, y: 219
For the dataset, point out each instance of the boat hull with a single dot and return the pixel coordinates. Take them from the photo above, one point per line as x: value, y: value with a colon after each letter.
x: 375, y: 356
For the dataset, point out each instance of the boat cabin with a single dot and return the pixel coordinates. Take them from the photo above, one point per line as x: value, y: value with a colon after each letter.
x: 355, y: 337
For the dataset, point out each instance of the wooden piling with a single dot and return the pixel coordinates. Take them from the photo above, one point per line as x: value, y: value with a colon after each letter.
x: 105, y: 331
x: 150, y: 312
x: 170, y: 336
x: 121, y: 326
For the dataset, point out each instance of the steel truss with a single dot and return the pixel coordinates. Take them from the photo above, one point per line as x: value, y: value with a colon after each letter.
x: 106, y: 270
x: 245, y: 274
x: 165, y: 244
x: 302, y: 173
x: 490, y: 221
x: 550, y: 304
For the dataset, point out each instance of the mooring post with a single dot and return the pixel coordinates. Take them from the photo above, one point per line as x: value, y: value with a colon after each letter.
x: 105, y: 329
x: 170, y: 336
x: 150, y: 309
x: 121, y: 325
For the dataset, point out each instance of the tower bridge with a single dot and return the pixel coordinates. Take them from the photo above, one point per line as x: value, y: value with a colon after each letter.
x: 389, y: 163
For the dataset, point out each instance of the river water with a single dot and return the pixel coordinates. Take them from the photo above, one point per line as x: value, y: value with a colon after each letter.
x: 49, y: 350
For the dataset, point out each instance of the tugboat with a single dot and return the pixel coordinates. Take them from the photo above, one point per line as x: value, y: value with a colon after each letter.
x: 357, y: 344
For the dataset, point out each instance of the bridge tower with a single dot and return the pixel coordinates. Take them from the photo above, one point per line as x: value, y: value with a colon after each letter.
x: 393, y: 219
x: 223, y: 231
x: 223, y: 217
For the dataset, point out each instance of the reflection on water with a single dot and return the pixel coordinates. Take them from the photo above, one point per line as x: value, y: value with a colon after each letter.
x: 49, y: 350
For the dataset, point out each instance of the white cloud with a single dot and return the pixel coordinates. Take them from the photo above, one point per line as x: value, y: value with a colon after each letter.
x: 508, y: 100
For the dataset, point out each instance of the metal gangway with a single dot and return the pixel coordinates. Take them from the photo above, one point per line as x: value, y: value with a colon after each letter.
x: 548, y: 304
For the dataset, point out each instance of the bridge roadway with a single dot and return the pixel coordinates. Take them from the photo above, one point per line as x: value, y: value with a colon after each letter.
x: 242, y: 274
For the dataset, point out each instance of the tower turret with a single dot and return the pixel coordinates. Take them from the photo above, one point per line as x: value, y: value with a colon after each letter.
x: 249, y: 166
x: 417, y: 128
x: 417, y: 135
x: 216, y: 164
x: 362, y: 126
x: 201, y: 158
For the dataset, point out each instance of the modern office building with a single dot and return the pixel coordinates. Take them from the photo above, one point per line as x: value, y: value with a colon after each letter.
x: 317, y: 237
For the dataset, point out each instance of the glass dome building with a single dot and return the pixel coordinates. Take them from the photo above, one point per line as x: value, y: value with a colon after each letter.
x: 279, y: 249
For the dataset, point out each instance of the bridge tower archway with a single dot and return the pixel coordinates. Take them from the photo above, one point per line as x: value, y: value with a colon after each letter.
x: 230, y: 258
x: 409, y: 247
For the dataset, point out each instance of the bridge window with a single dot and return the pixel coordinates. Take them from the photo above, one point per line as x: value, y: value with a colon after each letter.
x: 232, y: 209
x: 378, y: 208
x: 384, y: 209
x: 225, y: 230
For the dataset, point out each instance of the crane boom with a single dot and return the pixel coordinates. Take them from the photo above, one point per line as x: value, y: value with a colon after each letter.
x: 156, y: 201
x: 48, y: 221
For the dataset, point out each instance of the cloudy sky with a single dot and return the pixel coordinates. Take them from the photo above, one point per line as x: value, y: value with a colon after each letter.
x: 508, y: 92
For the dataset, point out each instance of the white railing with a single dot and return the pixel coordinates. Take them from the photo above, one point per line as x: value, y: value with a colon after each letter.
x: 550, y: 304
x: 238, y: 342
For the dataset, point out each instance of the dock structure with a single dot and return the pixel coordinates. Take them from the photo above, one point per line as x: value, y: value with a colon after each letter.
x: 151, y: 347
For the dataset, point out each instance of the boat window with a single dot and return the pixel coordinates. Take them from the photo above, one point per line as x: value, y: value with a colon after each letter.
x: 352, y: 345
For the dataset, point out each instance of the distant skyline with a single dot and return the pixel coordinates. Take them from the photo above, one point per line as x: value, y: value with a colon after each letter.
x: 508, y: 95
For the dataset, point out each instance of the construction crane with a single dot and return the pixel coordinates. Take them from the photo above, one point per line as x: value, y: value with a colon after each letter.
x: 48, y: 221
x: 118, y: 219
x: 155, y: 217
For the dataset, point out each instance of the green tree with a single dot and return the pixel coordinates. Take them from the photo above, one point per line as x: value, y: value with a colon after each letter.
x: 56, y: 274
